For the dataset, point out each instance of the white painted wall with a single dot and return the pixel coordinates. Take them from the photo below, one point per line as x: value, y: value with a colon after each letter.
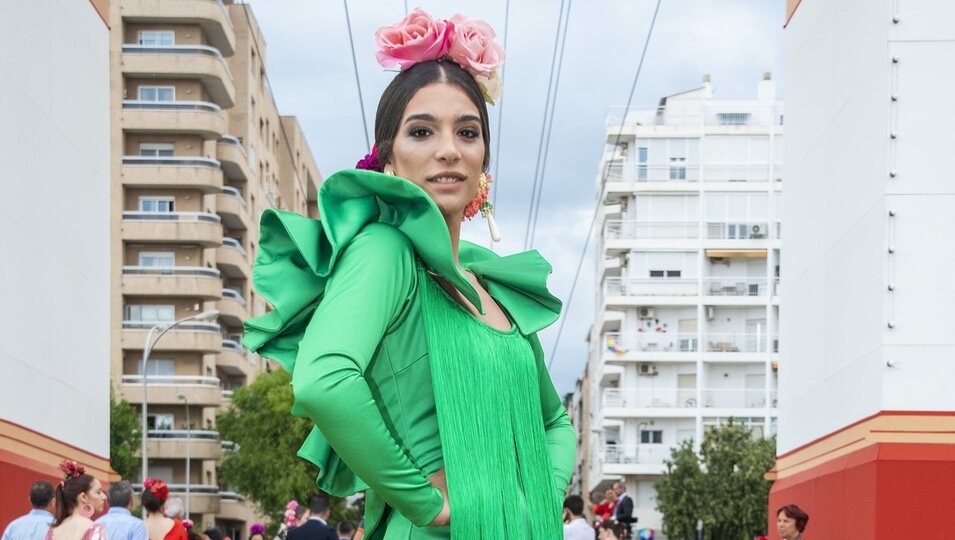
x: 837, y: 267
x: 54, y: 221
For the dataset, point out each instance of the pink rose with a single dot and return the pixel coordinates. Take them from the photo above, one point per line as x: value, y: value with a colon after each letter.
x: 473, y: 46
x: 416, y: 38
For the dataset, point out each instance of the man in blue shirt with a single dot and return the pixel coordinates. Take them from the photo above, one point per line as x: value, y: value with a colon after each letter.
x: 119, y: 521
x: 34, y: 525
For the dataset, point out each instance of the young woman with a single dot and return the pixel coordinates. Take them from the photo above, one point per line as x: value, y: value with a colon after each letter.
x: 415, y: 352
x: 78, y: 497
x: 160, y: 527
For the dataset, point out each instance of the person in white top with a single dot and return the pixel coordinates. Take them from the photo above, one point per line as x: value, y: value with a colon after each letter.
x: 575, y: 526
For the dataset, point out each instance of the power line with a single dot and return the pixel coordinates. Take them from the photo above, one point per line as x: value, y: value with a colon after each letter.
x: 593, y: 220
x: 500, y: 113
x: 550, y: 126
x: 540, y: 146
x: 354, y: 61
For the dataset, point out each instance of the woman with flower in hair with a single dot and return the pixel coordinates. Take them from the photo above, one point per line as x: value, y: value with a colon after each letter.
x: 160, y: 527
x: 415, y: 353
x: 257, y: 532
x: 78, y: 497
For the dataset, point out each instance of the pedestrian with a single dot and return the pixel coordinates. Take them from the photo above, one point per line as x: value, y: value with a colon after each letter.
x: 160, y: 527
x: 575, y: 526
x: 791, y: 522
x: 34, y: 524
x: 257, y: 532
x: 175, y: 509
x: 612, y: 530
x: 624, y: 511
x: 119, y: 521
x: 316, y: 526
x: 387, y: 318
x: 604, y: 509
x: 345, y: 530
x: 78, y: 497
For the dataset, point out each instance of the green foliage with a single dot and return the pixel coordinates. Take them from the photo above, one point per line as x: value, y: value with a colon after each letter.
x: 723, y: 485
x: 124, y: 440
x: 266, y: 469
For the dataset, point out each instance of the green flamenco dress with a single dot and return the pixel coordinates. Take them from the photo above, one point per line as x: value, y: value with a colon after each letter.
x: 399, y: 378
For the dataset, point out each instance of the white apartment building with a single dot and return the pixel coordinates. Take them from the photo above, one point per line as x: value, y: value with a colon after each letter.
x: 685, y: 332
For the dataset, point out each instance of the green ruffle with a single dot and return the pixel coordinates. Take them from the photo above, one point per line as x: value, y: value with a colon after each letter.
x: 297, y: 254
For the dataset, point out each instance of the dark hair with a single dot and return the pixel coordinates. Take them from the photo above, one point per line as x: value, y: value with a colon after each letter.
x: 151, y: 502
x: 345, y: 527
x: 300, y: 511
x: 67, y: 494
x: 617, y: 528
x: 213, y: 534
x: 41, y: 493
x: 318, y: 505
x: 395, y: 98
x: 794, y: 512
x: 574, y: 503
x: 119, y: 494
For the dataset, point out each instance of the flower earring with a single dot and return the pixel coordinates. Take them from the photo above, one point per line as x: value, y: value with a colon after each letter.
x: 481, y: 204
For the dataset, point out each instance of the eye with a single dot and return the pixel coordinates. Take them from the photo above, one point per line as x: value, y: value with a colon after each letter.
x: 419, y: 132
x: 469, y: 133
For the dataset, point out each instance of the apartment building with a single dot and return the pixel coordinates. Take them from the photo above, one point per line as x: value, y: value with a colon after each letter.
x: 688, y: 282
x: 199, y: 151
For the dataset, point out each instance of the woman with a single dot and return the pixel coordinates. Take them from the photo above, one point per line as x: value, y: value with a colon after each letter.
x: 791, y: 522
x: 396, y: 330
x: 160, y: 527
x: 257, y: 532
x: 78, y: 497
x: 604, y: 510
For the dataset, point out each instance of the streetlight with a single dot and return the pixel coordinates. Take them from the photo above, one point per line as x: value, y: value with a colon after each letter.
x: 188, y: 450
x: 150, y: 343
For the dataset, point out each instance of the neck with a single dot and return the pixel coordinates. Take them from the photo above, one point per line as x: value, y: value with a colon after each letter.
x: 454, y: 229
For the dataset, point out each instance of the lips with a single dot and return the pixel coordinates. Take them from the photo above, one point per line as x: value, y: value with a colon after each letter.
x: 447, y: 178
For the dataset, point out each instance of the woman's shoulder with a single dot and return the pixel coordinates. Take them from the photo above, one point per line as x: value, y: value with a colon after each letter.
x: 380, y: 240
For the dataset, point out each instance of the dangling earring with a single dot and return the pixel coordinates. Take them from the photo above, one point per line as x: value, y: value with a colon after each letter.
x: 485, y: 206
x: 86, y: 510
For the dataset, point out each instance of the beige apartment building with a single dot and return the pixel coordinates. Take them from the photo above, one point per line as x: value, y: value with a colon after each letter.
x: 198, y: 152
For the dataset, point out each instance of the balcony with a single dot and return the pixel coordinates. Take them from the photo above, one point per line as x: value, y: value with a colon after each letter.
x: 234, y: 360
x: 182, y: 62
x: 231, y: 207
x: 172, y: 227
x: 650, y: 291
x: 203, y: 498
x: 231, y: 259
x: 209, y: 14
x: 232, y: 308
x: 621, y: 178
x: 738, y: 398
x: 195, y: 336
x: 739, y: 231
x: 650, y: 345
x: 232, y: 506
x: 190, y: 117
x: 164, y: 389
x: 189, y: 172
x: 723, y: 344
x: 738, y: 290
x: 741, y: 172
x: 172, y: 281
x: 171, y: 443
x: 616, y: 229
x: 725, y: 118
x: 621, y: 459
x: 235, y: 162
x: 649, y: 398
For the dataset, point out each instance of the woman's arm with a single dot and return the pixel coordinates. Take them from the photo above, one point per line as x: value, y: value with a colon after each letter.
x: 561, y: 438
x: 367, y: 289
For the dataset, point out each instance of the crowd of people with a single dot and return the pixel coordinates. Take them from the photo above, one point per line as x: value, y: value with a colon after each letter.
x: 612, y: 516
x: 66, y: 512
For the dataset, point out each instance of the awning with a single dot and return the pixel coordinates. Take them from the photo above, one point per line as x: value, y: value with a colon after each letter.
x: 725, y: 253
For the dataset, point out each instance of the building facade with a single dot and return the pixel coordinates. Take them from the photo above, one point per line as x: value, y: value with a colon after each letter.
x: 54, y: 244
x: 199, y: 151
x: 688, y: 283
x: 867, y: 430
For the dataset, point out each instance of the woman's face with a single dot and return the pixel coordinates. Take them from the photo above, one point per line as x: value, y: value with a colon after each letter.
x: 95, y: 496
x: 786, y: 526
x: 610, y: 495
x: 440, y: 147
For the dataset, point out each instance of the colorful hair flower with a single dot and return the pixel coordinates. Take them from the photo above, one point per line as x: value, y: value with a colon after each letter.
x: 188, y: 524
x: 369, y: 163
x: 71, y: 469
x: 157, y: 487
x: 290, y: 518
x: 257, y: 528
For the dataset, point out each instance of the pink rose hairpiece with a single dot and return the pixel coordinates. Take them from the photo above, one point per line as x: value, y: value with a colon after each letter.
x: 419, y: 37
x: 257, y: 528
x: 158, y: 488
x: 71, y: 469
x: 289, y: 515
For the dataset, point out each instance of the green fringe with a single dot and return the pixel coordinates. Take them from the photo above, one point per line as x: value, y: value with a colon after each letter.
x: 500, y: 478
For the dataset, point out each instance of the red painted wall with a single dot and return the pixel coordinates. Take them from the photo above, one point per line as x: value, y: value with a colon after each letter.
x: 15, y: 492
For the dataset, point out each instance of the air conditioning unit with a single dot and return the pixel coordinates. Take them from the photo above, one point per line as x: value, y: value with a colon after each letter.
x: 647, y: 370
x: 710, y: 313
x: 645, y: 313
x: 756, y: 232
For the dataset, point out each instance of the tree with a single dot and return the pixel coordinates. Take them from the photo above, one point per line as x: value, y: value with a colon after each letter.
x: 266, y: 468
x: 124, y: 437
x: 723, y: 485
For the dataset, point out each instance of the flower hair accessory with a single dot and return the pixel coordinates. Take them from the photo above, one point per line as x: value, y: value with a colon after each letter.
x: 289, y: 515
x: 257, y: 528
x: 71, y: 469
x: 369, y: 163
x: 158, y: 488
x: 467, y: 42
x: 188, y: 524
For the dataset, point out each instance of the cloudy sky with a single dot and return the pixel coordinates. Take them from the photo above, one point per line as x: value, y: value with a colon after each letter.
x: 735, y: 41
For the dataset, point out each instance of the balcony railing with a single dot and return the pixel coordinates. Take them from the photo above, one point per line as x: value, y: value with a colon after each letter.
x: 204, y: 50
x: 170, y: 105
x: 735, y: 286
x: 170, y: 271
x: 740, y: 398
x: 231, y: 191
x: 741, y: 230
x: 651, y: 341
x: 201, y: 489
x: 617, y: 229
x: 227, y: 394
x: 233, y: 243
x: 231, y: 496
x: 233, y: 345
x: 646, y: 398
x: 191, y: 326
x: 639, y: 172
x: 640, y: 453
x: 230, y: 446
x: 650, y: 286
x: 736, y: 172
x: 182, y: 434
x: 234, y: 295
x: 139, y: 215
x: 172, y: 380
x: 713, y: 115
x: 178, y: 161
x: 747, y: 342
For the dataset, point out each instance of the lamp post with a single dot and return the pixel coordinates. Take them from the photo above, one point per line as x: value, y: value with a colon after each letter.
x: 150, y: 343
x: 188, y: 450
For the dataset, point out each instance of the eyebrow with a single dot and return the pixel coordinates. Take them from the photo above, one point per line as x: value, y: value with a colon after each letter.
x: 430, y: 118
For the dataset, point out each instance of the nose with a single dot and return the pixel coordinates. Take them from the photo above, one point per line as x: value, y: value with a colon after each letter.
x: 448, y: 151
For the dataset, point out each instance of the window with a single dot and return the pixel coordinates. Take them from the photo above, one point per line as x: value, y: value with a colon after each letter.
x: 663, y: 274
x: 162, y: 422
x: 157, y: 38
x: 162, y: 367
x: 149, y: 313
x: 733, y: 119
x: 156, y: 149
x: 157, y: 204
x: 651, y: 437
x: 157, y: 93
x: 677, y: 168
x: 642, y: 163
x: 157, y: 259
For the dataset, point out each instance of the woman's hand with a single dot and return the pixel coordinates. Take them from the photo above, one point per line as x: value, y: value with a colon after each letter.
x: 440, y: 481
